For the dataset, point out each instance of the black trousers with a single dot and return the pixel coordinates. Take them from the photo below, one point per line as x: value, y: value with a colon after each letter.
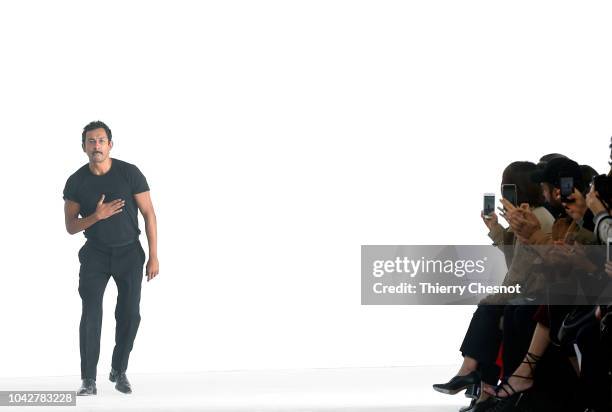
x: 98, y: 264
x: 594, y: 382
x: 518, y: 326
x: 482, y: 340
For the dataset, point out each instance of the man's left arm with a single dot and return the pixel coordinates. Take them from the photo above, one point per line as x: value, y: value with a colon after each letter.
x: 145, y: 205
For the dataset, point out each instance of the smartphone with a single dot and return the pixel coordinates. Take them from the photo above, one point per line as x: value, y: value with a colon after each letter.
x: 567, y: 188
x: 608, y: 244
x: 489, y: 205
x: 509, y: 193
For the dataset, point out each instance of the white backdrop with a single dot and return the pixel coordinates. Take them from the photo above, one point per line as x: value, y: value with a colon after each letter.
x: 277, y: 137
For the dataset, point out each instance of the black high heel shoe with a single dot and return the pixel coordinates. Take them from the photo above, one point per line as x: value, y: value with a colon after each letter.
x: 458, y: 383
x: 531, y: 360
x: 485, y: 406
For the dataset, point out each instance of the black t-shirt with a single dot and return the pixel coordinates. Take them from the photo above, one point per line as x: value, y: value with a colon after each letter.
x: 122, y: 181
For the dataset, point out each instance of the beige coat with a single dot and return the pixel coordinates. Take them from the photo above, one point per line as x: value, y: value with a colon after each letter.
x: 522, y: 260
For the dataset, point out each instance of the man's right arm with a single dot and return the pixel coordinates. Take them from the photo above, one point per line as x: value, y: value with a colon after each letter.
x: 74, y: 224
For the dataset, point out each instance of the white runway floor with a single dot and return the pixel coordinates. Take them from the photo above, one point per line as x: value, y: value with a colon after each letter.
x: 405, y: 389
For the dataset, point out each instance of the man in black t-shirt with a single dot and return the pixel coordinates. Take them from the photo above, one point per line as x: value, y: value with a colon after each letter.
x: 102, y: 198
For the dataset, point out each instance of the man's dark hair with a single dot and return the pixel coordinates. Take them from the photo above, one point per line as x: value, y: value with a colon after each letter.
x: 548, y: 157
x: 527, y: 191
x: 97, y: 125
x: 588, y: 173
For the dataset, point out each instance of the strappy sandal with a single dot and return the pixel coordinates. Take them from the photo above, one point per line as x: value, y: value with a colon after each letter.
x: 531, y: 360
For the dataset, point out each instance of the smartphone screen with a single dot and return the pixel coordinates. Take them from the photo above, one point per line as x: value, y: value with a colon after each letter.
x: 509, y: 193
x: 567, y: 186
x: 489, y: 204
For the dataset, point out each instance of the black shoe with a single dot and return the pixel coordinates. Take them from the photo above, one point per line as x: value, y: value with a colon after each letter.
x: 515, y: 403
x: 458, y: 383
x: 122, y: 384
x: 484, y: 406
x: 88, y: 387
x: 531, y: 360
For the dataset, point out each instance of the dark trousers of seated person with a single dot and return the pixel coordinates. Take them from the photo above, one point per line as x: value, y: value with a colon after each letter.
x: 518, y: 328
x: 594, y: 381
x: 482, y: 340
x: 98, y: 264
x: 555, y: 383
x: 555, y: 378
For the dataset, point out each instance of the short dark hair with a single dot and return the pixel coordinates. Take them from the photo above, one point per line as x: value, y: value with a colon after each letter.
x: 97, y: 124
x: 588, y: 173
x: 548, y: 157
x: 527, y: 191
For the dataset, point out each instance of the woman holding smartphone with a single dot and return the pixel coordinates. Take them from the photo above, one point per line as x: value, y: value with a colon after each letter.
x: 481, y: 344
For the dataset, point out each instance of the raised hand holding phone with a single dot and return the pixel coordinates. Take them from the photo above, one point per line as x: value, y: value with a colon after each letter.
x: 593, y: 202
x: 489, y: 220
x: 521, y: 219
x: 488, y: 204
x: 575, y: 205
x: 566, y: 185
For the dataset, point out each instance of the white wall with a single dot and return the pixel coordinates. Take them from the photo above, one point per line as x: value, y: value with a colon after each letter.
x: 278, y: 137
